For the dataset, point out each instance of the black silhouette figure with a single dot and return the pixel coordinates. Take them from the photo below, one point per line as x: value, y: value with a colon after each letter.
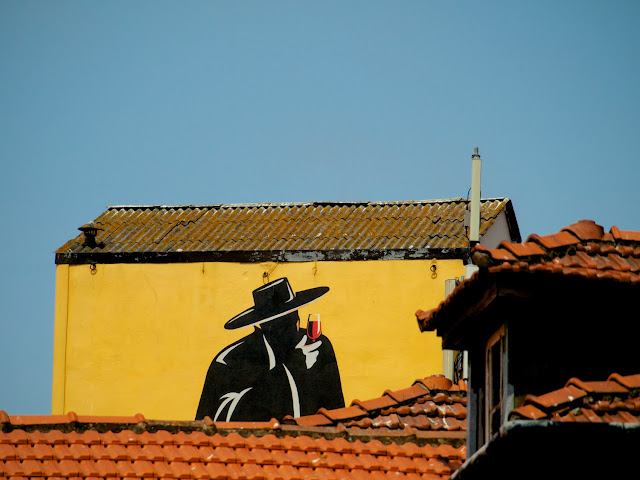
x: 275, y: 371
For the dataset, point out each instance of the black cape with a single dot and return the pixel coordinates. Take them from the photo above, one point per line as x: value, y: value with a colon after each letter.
x: 253, y: 380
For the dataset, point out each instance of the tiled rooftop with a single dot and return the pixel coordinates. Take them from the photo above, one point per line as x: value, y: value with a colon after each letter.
x: 616, y: 400
x: 431, y: 408
x: 73, y: 446
x: 581, y: 250
x: 141, y: 233
x: 587, y: 429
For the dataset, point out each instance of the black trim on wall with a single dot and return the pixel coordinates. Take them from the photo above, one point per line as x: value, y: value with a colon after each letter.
x: 261, y: 256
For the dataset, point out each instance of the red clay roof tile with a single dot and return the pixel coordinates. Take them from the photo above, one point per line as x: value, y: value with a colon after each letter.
x: 308, y: 420
x: 599, y: 402
x: 630, y: 381
x: 7, y: 451
x: 158, y: 438
x: 625, y: 235
x: 579, y: 250
x: 375, y: 404
x: 409, y: 409
x: 225, y: 454
x: 555, y: 240
x: 343, y: 413
x: 15, y: 437
x: 387, y: 421
x: 198, y: 470
x: 436, y: 382
x: 271, y: 442
x: 528, y: 249
x: 585, y: 230
x: 530, y: 412
x: 53, y: 437
x: 606, y: 387
x: 411, y: 393
x: 498, y: 254
x: 558, y: 398
x: 192, y: 450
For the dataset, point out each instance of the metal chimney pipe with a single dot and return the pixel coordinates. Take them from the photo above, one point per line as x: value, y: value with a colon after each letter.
x: 474, y: 224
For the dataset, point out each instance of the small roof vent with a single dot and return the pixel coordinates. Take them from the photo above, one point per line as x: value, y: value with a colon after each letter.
x: 90, y: 231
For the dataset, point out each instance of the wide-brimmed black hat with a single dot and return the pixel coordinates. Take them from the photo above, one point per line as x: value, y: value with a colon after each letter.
x: 274, y: 300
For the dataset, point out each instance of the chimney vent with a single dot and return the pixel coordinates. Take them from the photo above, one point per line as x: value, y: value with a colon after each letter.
x: 90, y: 231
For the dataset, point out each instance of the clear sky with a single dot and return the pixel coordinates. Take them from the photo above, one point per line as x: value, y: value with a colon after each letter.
x: 167, y: 102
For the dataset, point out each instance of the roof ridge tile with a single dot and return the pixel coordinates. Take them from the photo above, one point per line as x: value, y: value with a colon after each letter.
x: 585, y: 230
x: 625, y: 235
x: 403, y: 395
x: 339, y: 414
x: 594, y: 387
x: 375, y: 404
x: 609, y: 401
x: 631, y: 382
x: 555, y: 399
x: 313, y: 420
x: 554, y: 240
x: 581, y: 249
x: 519, y: 250
x: 435, y: 382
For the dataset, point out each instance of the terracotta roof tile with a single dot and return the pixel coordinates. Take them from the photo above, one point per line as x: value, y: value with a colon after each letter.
x: 339, y: 414
x: 557, y: 399
x: 555, y: 240
x: 375, y: 404
x: 436, y: 382
x: 433, y: 396
x: 52, y: 437
x: 602, y: 388
x: 272, y: 442
x: 528, y: 249
x: 411, y: 393
x: 308, y: 420
x: 582, y: 249
x: 632, y: 382
x: 67, y: 448
x: 592, y: 401
x: 585, y: 230
x: 15, y: 437
x: 8, y: 451
x: 625, y: 235
x: 528, y: 411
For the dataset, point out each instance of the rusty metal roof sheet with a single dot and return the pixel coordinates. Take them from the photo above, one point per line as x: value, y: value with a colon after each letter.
x: 195, y: 232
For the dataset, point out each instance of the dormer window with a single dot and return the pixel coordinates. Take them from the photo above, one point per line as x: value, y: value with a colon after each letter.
x: 495, y: 365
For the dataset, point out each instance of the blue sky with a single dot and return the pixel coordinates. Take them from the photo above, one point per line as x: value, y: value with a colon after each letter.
x: 166, y: 102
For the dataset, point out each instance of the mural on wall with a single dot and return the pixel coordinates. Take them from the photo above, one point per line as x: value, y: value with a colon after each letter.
x: 276, y: 370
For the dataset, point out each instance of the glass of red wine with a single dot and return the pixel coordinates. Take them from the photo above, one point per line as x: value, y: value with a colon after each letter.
x: 314, y: 330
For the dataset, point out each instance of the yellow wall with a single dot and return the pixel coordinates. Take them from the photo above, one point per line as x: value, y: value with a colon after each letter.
x: 135, y: 338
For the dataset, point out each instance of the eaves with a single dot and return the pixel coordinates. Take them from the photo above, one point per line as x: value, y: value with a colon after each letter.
x: 259, y: 256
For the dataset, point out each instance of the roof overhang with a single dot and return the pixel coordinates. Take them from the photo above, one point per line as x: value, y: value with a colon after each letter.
x: 548, y: 449
x: 258, y: 256
x: 484, y: 302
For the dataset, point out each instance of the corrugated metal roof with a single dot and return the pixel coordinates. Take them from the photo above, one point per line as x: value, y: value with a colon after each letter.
x: 285, y: 227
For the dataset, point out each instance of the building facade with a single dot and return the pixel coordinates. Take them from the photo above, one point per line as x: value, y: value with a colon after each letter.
x: 144, y: 292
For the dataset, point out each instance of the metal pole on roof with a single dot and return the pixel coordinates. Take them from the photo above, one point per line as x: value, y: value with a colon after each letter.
x: 474, y: 224
x: 448, y: 356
